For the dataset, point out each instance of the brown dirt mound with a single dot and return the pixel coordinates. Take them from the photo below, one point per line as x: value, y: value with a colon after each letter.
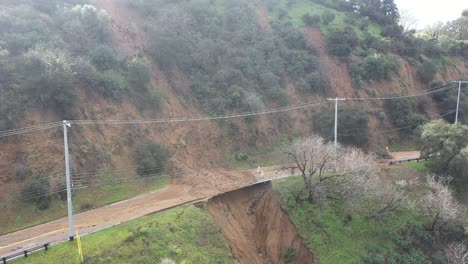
x: 256, y: 228
x: 211, y: 183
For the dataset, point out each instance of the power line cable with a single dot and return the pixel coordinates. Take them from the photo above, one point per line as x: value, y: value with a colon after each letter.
x: 195, y: 119
x: 21, y: 131
x: 421, y: 93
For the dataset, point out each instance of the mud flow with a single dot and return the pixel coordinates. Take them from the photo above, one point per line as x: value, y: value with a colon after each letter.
x: 256, y: 228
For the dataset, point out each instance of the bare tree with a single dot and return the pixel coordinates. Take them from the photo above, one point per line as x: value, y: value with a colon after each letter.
x: 408, y: 20
x: 457, y: 253
x: 329, y: 173
x: 383, y: 197
x: 439, y: 204
x: 435, y: 30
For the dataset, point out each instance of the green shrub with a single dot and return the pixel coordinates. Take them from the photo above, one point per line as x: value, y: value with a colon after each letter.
x: 427, y: 70
x: 374, y: 67
x: 341, y: 42
x: 311, y: 20
x: 328, y: 17
x: 111, y: 84
x: 353, y: 125
x: 291, y: 254
x: 415, y: 257
x: 151, y: 158
x: 62, y: 191
x: 84, y: 27
x: 104, y: 57
x: 37, y: 190
x: 404, y: 114
x: 48, y: 79
x: 138, y: 75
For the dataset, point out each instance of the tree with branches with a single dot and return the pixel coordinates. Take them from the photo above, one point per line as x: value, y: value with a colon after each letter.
x: 456, y: 253
x: 329, y: 173
x: 440, y: 205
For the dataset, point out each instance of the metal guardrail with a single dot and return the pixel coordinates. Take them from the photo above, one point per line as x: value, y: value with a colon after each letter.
x: 407, y: 160
x: 25, y: 253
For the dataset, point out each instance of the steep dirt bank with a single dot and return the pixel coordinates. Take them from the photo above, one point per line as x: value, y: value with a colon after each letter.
x: 255, y: 226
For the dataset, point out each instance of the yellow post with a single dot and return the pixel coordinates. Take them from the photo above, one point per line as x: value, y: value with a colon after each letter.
x: 78, y: 243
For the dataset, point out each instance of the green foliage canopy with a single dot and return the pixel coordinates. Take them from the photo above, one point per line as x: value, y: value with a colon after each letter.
x: 448, y: 146
x: 151, y: 158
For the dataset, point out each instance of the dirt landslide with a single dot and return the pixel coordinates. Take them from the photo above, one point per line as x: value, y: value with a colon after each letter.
x: 255, y: 226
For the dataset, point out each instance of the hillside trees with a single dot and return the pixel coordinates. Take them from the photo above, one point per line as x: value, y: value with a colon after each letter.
x: 404, y: 114
x: 227, y: 58
x: 85, y: 27
x: 49, y: 79
x: 381, y: 11
x: 353, y: 122
x: 447, y: 145
x: 341, y: 42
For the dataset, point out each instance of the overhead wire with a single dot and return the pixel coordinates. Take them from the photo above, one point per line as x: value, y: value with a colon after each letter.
x: 420, y: 93
x: 196, y: 119
x: 20, y: 131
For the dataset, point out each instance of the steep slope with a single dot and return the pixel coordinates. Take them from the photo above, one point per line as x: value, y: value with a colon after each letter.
x: 256, y: 228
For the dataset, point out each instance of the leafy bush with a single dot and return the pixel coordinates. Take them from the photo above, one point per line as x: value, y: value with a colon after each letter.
x: 404, y: 114
x: 37, y: 190
x: 151, y: 158
x: 341, y: 42
x: 104, y: 57
x: 49, y: 81
x: 427, y: 70
x: 138, y: 75
x: 415, y: 257
x: 85, y: 27
x: 311, y: 20
x: 328, y: 17
x: 291, y: 254
x: 111, y: 84
x: 62, y: 191
x: 374, y: 67
x: 353, y: 125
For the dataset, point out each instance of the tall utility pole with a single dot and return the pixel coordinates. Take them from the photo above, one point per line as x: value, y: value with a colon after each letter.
x: 336, y: 117
x: 66, y: 125
x: 458, y: 100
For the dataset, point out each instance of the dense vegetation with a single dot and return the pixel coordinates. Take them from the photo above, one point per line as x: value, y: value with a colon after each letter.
x: 352, y: 212
x: 48, y: 48
x: 232, y: 64
x: 182, y: 235
x: 447, y: 145
x: 353, y: 125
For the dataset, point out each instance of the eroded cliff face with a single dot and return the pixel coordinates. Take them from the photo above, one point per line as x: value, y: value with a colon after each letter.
x: 255, y: 226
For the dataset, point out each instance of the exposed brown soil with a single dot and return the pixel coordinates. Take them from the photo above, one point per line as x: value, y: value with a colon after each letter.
x: 256, y: 228
x: 262, y: 17
x: 335, y: 69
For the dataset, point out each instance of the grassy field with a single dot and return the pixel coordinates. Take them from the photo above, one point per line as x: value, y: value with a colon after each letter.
x: 296, y: 11
x: 27, y: 215
x: 185, y: 235
x: 336, y: 235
